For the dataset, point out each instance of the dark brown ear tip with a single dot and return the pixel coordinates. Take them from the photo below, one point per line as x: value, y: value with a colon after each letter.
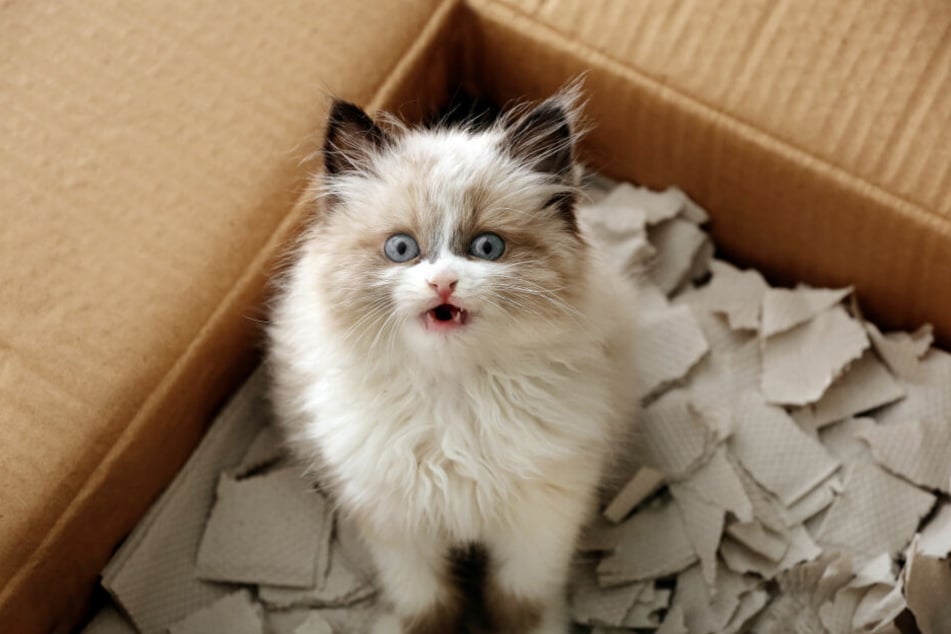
x: 352, y: 136
x: 548, y: 115
x: 342, y: 112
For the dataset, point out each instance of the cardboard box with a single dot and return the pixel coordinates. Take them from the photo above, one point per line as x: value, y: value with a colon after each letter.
x: 152, y: 155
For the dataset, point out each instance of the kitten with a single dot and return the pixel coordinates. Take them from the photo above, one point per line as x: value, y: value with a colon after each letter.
x: 449, y: 350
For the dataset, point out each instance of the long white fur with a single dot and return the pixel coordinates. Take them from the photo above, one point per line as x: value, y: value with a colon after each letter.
x: 497, y: 434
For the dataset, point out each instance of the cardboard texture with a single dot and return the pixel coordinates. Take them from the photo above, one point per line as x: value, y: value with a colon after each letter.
x: 157, y: 151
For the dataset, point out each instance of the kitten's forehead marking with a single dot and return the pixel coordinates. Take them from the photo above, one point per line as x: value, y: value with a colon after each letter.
x: 450, y: 170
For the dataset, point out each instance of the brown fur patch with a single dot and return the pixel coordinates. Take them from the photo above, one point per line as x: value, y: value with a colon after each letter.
x: 509, y: 614
x: 444, y: 618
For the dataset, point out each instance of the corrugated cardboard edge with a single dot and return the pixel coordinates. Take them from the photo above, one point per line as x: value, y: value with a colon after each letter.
x: 751, y: 224
x: 49, y: 593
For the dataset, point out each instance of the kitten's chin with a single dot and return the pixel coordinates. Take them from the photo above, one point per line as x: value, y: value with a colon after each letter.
x: 445, y: 318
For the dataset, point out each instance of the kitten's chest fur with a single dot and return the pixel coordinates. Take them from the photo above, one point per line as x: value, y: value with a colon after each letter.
x: 458, y: 453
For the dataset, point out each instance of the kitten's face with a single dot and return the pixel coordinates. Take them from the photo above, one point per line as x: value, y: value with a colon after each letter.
x: 451, y: 241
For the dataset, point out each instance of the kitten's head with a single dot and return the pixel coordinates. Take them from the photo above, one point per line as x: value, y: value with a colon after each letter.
x: 451, y: 240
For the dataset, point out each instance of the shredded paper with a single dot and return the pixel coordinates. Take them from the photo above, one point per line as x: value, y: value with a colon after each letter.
x: 792, y: 474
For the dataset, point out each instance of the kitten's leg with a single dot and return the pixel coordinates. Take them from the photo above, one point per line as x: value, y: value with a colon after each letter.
x: 418, y: 587
x: 530, y: 560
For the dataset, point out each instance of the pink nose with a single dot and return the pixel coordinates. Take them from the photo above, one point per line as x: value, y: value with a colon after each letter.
x: 444, y: 284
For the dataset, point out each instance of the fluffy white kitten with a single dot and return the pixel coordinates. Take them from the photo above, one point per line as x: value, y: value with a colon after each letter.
x: 450, y: 353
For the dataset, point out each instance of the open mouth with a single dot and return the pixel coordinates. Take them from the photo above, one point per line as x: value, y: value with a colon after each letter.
x: 446, y: 316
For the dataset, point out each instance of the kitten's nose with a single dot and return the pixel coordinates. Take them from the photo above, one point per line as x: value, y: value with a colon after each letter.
x: 444, y: 284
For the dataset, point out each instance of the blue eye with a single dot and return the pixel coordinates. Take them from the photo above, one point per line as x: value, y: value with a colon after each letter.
x: 401, y: 248
x: 487, y: 246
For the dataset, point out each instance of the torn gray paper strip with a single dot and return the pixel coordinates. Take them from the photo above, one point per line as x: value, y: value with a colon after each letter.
x: 640, y: 617
x: 707, y: 612
x: 864, y: 386
x: 843, y: 440
x: 785, y: 308
x: 644, y: 484
x: 673, y: 437
x: 691, y: 210
x: 617, y: 215
x: 751, y: 604
x: 653, y: 543
x: 902, y: 351
x: 858, y: 522
x: 800, y: 364
x: 677, y: 243
x: 766, y: 509
x: 235, y: 614
x: 919, y: 451
x: 656, y: 206
x: 669, y: 344
x: 109, y: 621
x: 776, y: 452
x: 674, y: 622
x: 590, y: 604
x: 814, y: 502
x: 314, y: 624
x: 935, y: 537
x: 736, y: 294
x: 926, y: 398
x: 740, y: 559
x: 266, y: 449
x: 759, y: 539
x: 717, y: 483
x: 343, y: 586
x: 152, y: 576
x: 263, y: 530
x: 703, y: 523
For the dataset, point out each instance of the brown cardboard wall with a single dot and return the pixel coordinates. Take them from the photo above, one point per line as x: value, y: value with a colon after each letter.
x: 150, y: 155
x: 858, y: 85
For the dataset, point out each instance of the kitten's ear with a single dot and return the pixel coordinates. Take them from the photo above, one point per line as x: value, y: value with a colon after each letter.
x: 543, y: 138
x: 352, y: 138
